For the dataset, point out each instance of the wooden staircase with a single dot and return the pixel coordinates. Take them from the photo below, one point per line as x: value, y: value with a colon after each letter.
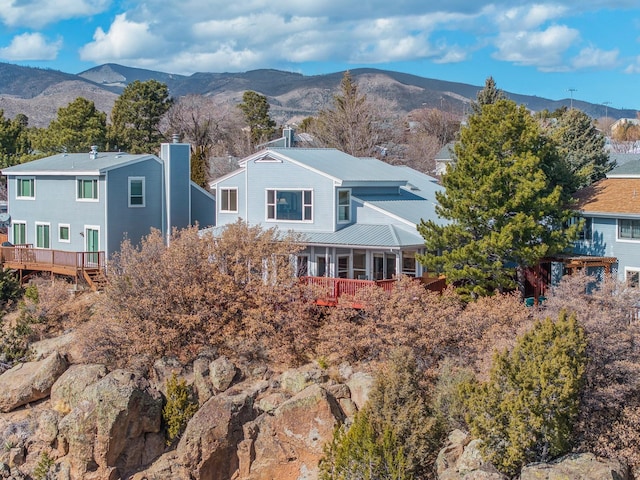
x: 96, y: 279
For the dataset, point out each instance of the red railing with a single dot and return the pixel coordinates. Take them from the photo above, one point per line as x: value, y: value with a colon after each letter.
x: 330, y: 289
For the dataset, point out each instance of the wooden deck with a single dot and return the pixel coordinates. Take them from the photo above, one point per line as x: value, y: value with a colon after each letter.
x: 27, y: 260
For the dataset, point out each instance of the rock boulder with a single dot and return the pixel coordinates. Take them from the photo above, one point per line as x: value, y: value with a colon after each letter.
x: 29, y: 382
x: 576, y: 466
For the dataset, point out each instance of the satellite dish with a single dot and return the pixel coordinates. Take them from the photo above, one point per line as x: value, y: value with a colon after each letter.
x: 5, y: 217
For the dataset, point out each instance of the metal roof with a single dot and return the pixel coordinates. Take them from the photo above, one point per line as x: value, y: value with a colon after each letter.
x: 412, y: 210
x: 628, y: 169
x: 363, y: 235
x: 342, y: 166
x: 76, y: 164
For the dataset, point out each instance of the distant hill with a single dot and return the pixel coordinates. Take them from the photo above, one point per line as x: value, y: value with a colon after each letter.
x: 38, y: 93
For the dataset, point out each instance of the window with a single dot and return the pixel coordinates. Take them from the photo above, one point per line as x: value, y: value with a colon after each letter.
x: 64, y: 233
x: 629, y: 229
x: 359, y: 264
x: 632, y: 276
x: 302, y: 265
x: 343, y: 266
x: 19, y: 233
x: 136, y: 192
x: 25, y: 187
x: 42, y: 235
x: 293, y: 205
x: 87, y: 189
x: 344, y: 205
x: 228, y: 199
x: 585, y: 233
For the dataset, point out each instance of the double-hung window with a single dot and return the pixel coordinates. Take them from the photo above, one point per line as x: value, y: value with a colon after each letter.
x: 291, y: 205
x: 87, y: 189
x: 19, y: 233
x: 43, y: 239
x: 344, y: 206
x: 628, y: 229
x: 136, y: 192
x: 25, y: 187
x: 229, y: 200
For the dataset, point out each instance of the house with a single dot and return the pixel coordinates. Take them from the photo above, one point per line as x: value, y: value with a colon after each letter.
x: 611, y: 212
x: 358, y: 216
x: 89, y: 202
x: 443, y: 158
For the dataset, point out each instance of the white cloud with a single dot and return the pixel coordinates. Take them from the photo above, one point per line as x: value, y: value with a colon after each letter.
x: 31, y: 46
x: 542, y: 49
x: 634, y: 67
x: 125, y: 40
x: 595, y: 58
x: 529, y: 17
x: 38, y: 13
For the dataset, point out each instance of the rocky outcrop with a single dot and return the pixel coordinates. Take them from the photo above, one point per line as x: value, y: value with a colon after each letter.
x: 461, y: 459
x: 287, y: 443
x: 360, y: 384
x: 29, y: 382
x: 221, y: 373
x: 114, y: 427
x: 577, y: 466
x: 67, y: 390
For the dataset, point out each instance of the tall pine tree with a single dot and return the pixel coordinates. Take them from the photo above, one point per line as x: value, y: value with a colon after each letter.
x: 503, y: 201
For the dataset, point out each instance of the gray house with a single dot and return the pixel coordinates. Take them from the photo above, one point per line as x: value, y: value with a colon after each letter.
x: 358, y: 216
x: 611, y: 212
x: 89, y: 202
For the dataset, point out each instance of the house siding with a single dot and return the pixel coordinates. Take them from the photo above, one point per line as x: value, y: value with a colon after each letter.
x: 133, y: 222
x: 55, y: 203
x: 203, y: 208
x: 287, y: 175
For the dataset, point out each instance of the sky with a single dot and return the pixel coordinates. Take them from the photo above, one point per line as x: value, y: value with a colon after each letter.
x: 582, y: 49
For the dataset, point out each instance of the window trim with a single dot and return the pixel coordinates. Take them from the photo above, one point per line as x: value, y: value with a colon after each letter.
x: 227, y: 191
x: 60, y: 227
x: 144, y: 196
x: 620, y: 238
x: 24, y: 225
x: 43, y: 224
x: 627, y: 271
x: 348, y: 206
x: 19, y: 189
x: 303, y: 205
x: 94, y: 181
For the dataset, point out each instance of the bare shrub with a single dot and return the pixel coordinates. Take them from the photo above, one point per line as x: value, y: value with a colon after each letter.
x: 608, y: 422
x: 235, y: 291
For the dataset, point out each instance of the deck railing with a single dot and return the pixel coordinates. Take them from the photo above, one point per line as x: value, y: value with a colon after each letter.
x: 330, y: 289
x: 27, y: 257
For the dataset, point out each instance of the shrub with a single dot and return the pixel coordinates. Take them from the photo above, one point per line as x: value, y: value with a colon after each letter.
x: 527, y: 409
x: 395, y: 435
x: 43, y: 467
x: 10, y: 288
x: 179, y: 409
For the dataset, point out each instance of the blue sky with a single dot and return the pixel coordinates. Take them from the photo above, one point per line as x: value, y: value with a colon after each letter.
x: 588, y: 49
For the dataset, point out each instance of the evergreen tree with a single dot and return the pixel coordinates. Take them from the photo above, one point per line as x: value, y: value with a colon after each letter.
x: 199, y: 167
x: 488, y: 95
x: 505, y: 202
x: 581, y: 146
x: 255, y: 108
x: 77, y: 127
x: 136, y: 115
x: 526, y: 411
x: 395, y: 435
x: 14, y: 139
x: 350, y: 125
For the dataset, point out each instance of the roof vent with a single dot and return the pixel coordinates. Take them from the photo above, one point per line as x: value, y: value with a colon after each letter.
x: 94, y: 152
x: 176, y: 138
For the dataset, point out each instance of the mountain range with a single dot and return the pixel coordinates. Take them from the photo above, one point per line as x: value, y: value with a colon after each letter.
x: 38, y: 93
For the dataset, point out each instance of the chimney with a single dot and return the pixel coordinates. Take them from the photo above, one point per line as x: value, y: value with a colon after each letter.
x: 94, y: 152
x: 175, y: 138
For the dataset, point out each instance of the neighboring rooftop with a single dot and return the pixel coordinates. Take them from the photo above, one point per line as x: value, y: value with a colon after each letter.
x: 75, y: 163
x: 611, y: 196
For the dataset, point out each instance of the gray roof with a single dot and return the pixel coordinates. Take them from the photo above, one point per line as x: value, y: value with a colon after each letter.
x: 445, y: 153
x: 630, y: 168
x: 343, y: 166
x: 410, y: 209
x: 363, y: 235
x: 75, y: 164
x: 355, y: 235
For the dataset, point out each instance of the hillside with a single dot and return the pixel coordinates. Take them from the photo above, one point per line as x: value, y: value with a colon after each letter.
x: 38, y: 93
